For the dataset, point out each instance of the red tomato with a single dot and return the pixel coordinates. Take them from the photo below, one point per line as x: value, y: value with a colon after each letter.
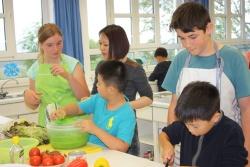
x: 45, y: 155
x: 54, y: 153
x: 58, y: 159
x: 35, y: 160
x: 34, y: 151
x: 48, y: 161
x: 78, y: 162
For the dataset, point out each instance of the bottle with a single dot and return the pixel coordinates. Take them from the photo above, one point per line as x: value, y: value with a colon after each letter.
x: 16, y: 151
x: 149, y: 155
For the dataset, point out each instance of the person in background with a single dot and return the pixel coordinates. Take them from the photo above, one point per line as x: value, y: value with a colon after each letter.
x: 114, y: 45
x: 161, y: 68
x: 54, y: 77
x: 207, y: 137
x: 113, y: 119
x: 203, y: 59
x: 247, y: 55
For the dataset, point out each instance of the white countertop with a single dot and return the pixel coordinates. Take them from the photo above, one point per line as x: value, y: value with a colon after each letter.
x: 115, y: 159
x: 161, y: 99
x: 160, y: 104
x: 120, y: 159
x: 4, y: 120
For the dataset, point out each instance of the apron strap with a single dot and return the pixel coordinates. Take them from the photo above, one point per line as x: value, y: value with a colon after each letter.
x: 187, y: 61
x: 219, y: 67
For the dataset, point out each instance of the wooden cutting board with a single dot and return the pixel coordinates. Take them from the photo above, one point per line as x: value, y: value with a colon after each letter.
x: 89, y: 148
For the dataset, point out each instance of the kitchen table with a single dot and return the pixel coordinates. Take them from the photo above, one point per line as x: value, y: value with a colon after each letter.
x: 115, y: 158
x: 120, y: 159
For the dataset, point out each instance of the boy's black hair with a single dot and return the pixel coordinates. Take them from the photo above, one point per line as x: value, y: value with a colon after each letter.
x: 188, y: 16
x: 198, y: 100
x: 113, y: 73
x: 161, y: 52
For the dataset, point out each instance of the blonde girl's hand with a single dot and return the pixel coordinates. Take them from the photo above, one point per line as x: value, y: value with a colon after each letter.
x: 57, y: 114
x: 57, y: 69
x: 32, y: 97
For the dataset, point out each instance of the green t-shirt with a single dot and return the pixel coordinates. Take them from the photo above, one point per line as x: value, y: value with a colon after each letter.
x: 70, y: 61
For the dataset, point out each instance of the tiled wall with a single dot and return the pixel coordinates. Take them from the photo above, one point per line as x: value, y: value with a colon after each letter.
x: 14, y: 69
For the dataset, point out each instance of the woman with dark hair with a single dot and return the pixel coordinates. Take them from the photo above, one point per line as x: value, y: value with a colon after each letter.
x: 114, y: 45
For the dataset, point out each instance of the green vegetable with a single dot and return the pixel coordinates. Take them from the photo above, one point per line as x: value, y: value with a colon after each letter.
x: 25, y: 129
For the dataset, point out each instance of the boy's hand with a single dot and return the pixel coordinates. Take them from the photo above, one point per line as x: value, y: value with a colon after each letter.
x: 87, y: 125
x: 168, y: 154
x: 57, y: 114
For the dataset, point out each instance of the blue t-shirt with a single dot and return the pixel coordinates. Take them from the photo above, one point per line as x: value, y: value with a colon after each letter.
x: 119, y: 122
x: 235, y: 68
x: 69, y: 61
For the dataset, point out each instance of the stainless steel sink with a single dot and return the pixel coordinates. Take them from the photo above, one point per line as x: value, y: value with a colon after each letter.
x: 12, y: 98
x: 12, y: 95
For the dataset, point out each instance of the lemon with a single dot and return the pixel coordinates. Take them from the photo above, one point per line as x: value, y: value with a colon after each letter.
x: 101, y: 162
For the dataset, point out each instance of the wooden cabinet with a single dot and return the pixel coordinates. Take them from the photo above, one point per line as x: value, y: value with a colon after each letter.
x: 145, y: 126
x: 150, y: 121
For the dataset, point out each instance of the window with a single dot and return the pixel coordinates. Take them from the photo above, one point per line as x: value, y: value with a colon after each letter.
x: 146, y: 23
x: 232, y: 19
x: 19, y: 24
x: 147, y: 16
x: 122, y: 16
x: 166, y: 10
x: 2, y: 29
x: 26, y: 29
x: 97, y: 20
x: 247, y: 19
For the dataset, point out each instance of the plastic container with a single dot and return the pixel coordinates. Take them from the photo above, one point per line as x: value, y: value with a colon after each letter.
x: 27, y: 144
x: 63, y: 134
x: 75, y: 154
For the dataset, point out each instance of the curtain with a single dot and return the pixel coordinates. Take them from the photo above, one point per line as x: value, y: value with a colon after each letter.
x: 203, y: 2
x: 67, y: 17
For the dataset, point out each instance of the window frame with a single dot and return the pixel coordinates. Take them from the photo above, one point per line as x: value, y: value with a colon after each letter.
x: 135, y: 45
x: 10, y: 53
x: 228, y: 16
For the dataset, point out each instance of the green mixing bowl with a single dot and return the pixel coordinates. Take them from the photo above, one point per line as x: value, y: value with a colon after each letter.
x: 26, y: 143
x: 63, y: 134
